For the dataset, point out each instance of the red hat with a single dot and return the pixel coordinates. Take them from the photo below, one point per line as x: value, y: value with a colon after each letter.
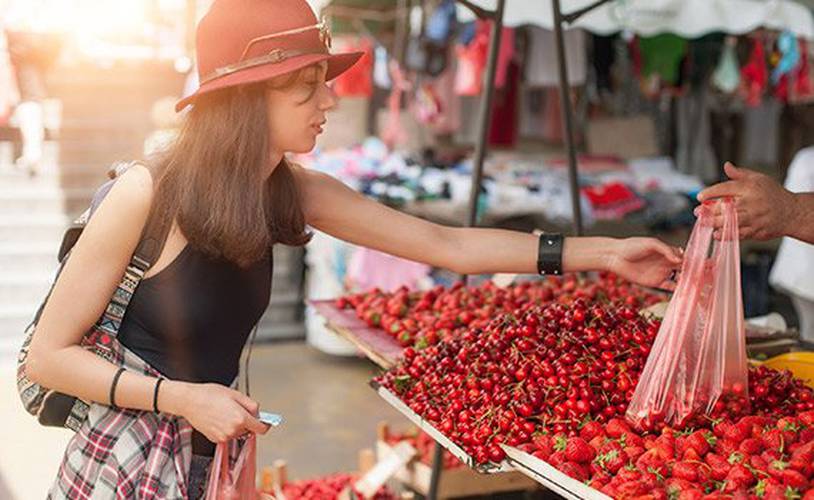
x: 247, y: 41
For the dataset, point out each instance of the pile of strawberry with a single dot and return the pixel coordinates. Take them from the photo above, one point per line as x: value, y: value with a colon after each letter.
x: 425, y: 445
x: 327, y: 488
x: 754, y: 457
x: 423, y: 318
x: 562, y: 370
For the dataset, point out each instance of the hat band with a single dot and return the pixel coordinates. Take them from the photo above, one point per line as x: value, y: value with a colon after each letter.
x: 276, y: 56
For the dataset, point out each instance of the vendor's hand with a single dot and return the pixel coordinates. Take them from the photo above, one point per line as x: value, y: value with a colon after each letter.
x: 646, y: 261
x: 220, y: 413
x: 765, y: 209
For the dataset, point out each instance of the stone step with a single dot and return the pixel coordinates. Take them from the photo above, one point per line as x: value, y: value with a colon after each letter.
x: 14, y: 318
x: 38, y: 228
x: 31, y: 200
x: 24, y: 288
x: 15, y: 256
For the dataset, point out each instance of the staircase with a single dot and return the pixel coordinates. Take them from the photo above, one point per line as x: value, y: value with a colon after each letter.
x: 32, y: 218
x: 105, y: 118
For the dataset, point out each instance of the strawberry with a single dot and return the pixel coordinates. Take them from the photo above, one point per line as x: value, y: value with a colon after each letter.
x: 630, y: 439
x: 700, y: 441
x: 628, y: 474
x: 719, y: 466
x: 686, y: 470
x: 739, y: 477
x: 579, y: 451
x: 726, y: 447
x: 807, y: 418
x: 544, y: 446
x: 691, y: 454
x: 791, y: 477
x: 758, y: 463
x: 809, y: 495
x: 597, y: 442
x: 771, y: 455
x: 807, y: 435
x: 652, y: 461
x: 634, y: 452
x: 803, y: 465
x: 774, y: 440
x: 776, y: 468
x: 630, y: 489
x: 573, y: 470
x: 591, y: 430
x: 557, y: 458
x: 616, y: 427
x: 751, y: 446
x: 675, y: 485
x: 691, y: 494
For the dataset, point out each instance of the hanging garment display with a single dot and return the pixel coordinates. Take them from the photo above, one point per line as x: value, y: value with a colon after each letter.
x: 726, y: 77
x: 754, y: 75
x: 471, y: 60
x: 358, y: 80
x: 661, y: 57
x: 381, y: 71
x: 503, y: 129
x: 541, y: 62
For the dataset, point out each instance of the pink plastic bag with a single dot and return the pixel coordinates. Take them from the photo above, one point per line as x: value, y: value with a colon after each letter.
x: 697, y: 365
x: 235, y: 482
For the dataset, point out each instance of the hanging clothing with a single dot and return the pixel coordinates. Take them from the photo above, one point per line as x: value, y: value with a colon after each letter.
x: 662, y: 55
x: 760, y: 133
x: 503, y: 129
x: 541, y: 68
x: 754, y: 74
x: 472, y: 62
x: 694, y: 154
x: 358, y: 80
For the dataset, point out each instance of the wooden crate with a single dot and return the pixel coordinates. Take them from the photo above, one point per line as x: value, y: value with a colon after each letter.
x: 454, y: 483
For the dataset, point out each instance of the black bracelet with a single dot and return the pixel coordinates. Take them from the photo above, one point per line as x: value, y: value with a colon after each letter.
x: 155, y: 395
x: 549, y: 254
x: 113, y: 388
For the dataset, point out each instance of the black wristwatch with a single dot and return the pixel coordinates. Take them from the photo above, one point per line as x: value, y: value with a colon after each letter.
x: 549, y: 254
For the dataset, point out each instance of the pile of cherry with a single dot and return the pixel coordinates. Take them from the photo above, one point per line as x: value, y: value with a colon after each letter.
x: 423, y: 318
x: 556, y: 380
x: 327, y: 488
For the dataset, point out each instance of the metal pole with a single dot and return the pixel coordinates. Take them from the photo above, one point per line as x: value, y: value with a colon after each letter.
x: 484, y: 117
x: 437, y: 469
x: 567, y: 115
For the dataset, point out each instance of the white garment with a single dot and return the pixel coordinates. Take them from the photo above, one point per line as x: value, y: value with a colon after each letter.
x: 541, y: 61
x: 793, y: 270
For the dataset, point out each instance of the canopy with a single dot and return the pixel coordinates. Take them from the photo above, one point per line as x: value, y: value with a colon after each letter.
x: 687, y: 18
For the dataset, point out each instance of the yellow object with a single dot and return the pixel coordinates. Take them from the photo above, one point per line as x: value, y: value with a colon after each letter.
x: 801, y: 364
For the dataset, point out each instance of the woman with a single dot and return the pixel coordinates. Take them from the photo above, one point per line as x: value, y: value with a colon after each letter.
x: 231, y: 195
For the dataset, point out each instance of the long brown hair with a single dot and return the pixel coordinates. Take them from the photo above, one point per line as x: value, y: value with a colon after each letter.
x: 214, y: 179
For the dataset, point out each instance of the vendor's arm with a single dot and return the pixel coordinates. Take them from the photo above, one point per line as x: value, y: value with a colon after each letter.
x: 765, y: 209
x: 333, y: 208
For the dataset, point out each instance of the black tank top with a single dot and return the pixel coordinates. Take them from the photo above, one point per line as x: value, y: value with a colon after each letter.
x: 191, y: 320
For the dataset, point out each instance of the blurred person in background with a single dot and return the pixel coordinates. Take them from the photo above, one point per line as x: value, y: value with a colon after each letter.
x: 32, y: 48
x: 767, y: 210
x: 229, y: 193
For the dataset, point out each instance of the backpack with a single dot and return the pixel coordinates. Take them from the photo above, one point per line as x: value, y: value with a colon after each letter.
x: 53, y: 408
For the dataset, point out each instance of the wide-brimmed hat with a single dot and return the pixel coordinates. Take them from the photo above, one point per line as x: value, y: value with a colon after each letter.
x: 248, y: 41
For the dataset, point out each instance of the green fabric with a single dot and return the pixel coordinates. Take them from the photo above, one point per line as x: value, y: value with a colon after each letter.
x: 342, y: 25
x: 662, y: 54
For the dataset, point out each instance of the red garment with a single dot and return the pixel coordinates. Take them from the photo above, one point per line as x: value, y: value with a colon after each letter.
x: 755, y: 75
x: 358, y: 80
x: 612, y: 201
x: 505, y: 55
x: 472, y: 62
x: 503, y: 128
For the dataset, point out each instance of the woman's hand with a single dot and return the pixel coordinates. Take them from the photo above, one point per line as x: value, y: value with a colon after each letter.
x: 646, y: 261
x: 216, y: 411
